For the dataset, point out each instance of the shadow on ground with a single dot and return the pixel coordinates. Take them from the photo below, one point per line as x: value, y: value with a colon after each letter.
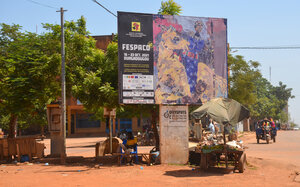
x: 260, y: 143
x: 198, y: 172
x: 81, y: 146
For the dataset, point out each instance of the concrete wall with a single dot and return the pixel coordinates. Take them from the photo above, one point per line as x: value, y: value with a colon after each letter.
x: 174, y: 145
x: 239, y: 127
x: 246, y: 124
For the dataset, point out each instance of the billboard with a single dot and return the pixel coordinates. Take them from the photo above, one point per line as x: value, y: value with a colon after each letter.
x: 171, y: 59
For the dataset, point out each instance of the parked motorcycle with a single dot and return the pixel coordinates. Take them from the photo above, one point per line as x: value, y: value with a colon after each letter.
x: 146, y: 138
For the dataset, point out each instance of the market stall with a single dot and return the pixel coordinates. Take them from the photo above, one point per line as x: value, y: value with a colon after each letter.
x: 215, y: 149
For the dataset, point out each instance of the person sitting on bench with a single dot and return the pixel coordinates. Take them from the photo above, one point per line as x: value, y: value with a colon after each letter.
x: 129, y: 146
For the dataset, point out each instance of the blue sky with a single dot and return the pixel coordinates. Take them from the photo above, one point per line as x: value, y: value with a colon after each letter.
x: 250, y: 23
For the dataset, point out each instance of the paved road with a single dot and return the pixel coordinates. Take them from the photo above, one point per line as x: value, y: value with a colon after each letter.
x: 286, y: 148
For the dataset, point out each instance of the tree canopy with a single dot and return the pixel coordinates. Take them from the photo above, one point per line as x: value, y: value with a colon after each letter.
x: 28, y: 73
x: 249, y: 87
x: 169, y: 8
x: 30, y: 70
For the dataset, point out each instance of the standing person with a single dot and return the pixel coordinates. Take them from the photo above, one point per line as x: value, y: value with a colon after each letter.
x: 216, y: 128
x: 211, y: 126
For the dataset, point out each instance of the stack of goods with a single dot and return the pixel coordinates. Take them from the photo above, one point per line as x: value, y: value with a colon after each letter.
x: 234, y: 145
x: 211, y: 143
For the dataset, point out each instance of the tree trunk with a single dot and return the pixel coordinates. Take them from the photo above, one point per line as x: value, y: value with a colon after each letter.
x: 42, y: 130
x: 12, y: 126
x: 154, y: 127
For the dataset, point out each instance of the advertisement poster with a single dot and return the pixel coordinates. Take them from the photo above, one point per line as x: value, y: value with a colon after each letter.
x: 187, y: 62
x: 135, y: 36
x: 174, y: 116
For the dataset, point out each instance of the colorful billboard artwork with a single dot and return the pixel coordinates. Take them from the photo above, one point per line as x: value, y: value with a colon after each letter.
x: 171, y: 59
x: 190, y: 62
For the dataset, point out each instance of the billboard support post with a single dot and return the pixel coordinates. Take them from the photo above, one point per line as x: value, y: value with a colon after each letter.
x: 173, y: 124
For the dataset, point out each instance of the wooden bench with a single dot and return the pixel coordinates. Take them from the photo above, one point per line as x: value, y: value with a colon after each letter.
x: 146, y: 156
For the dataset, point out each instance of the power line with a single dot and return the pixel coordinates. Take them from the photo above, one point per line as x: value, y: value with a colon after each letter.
x: 269, y: 47
x: 105, y: 8
x: 42, y: 4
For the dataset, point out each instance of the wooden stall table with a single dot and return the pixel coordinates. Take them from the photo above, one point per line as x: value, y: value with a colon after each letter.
x: 213, y: 157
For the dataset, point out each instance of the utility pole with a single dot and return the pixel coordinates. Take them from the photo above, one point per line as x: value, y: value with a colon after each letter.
x: 63, y: 90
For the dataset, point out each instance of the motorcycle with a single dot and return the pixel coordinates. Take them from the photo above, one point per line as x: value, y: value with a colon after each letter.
x: 265, y: 131
x: 146, y: 138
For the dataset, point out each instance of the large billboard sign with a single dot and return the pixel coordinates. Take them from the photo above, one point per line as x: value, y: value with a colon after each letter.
x: 171, y: 59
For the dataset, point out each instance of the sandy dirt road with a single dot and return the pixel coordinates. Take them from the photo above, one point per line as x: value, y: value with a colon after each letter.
x: 85, y: 146
x: 286, y: 149
x: 263, y: 169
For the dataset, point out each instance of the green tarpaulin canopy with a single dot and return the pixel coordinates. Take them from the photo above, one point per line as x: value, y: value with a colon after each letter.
x: 223, y: 111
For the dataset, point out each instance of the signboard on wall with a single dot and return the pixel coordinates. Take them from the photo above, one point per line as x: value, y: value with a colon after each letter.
x: 174, y: 143
x: 167, y: 59
x: 174, y: 116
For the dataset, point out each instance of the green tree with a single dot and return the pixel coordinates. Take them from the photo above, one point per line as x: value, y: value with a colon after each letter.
x: 293, y: 125
x: 169, y: 8
x: 28, y: 74
x: 30, y: 71
x: 265, y: 104
x: 98, y: 88
x: 283, y: 94
x: 241, y: 79
x: 252, y: 90
x: 283, y: 116
x: 91, y: 74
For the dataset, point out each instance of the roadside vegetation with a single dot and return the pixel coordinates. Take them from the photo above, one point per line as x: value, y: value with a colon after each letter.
x: 30, y: 76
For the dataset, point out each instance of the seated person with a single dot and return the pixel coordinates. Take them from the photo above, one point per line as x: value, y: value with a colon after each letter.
x: 131, y: 141
x: 129, y: 145
x: 272, y: 123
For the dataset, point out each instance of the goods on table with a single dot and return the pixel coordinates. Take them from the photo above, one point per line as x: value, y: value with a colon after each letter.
x: 211, y: 143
